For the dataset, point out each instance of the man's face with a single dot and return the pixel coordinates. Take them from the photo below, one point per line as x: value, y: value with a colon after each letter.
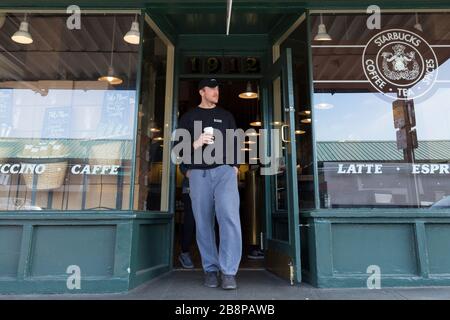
x: 210, y: 94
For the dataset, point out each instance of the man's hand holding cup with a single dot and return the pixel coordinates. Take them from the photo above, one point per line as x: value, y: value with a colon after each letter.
x: 206, y: 137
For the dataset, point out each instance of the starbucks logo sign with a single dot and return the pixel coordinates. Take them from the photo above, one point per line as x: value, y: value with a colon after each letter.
x: 400, y: 64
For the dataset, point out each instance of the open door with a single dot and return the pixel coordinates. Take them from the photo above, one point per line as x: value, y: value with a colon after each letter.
x: 282, y: 211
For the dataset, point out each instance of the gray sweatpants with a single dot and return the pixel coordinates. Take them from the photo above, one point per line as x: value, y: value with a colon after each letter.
x: 215, y: 192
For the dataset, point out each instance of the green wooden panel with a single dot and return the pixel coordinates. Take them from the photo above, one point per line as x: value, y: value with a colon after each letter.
x: 390, y: 246
x: 438, y: 244
x: 57, y: 247
x: 104, y: 245
x: 322, y: 248
x: 153, y: 246
x: 10, y: 242
x: 304, y: 244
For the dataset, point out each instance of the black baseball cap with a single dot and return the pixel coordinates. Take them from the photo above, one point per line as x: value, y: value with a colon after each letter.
x: 209, y: 82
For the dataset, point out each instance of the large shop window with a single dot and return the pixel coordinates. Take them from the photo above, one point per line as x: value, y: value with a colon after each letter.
x: 67, y: 110
x: 382, y: 109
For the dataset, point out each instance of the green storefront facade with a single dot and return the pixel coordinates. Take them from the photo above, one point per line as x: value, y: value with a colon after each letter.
x: 87, y: 182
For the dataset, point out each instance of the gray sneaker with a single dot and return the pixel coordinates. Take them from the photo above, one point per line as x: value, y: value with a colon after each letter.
x: 211, y: 279
x: 228, y: 282
x: 185, y: 260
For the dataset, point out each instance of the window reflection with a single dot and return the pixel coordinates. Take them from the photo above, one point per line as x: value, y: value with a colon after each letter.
x: 297, y: 41
x: 66, y: 137
x: 375, y: 149
x: 150, y: 188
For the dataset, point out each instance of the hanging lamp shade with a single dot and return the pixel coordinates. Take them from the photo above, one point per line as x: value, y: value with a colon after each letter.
x: 23, y: 35
x: 248, y: 93
x: 418, y: 26
x: 133, y: 36
x: 322, y: 34
x: 111, y: 77
x: 154, y: 126
x: 305, y: 113
x: 257, y: 122
x: 307, y: 120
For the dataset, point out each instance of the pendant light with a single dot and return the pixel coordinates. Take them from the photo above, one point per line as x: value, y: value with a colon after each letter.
x: 418, y: 26
x: 23, y: 36
x: 133, y: 36
x: 248, y: 94
x: 154, y: 126
x: 111, y: 76
x: 307, y: 120
x: 322, y: 34
x: 305, y: 113
x: 257, y: 122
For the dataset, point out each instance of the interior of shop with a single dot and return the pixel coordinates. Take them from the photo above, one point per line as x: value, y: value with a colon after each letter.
x: 241, y: 98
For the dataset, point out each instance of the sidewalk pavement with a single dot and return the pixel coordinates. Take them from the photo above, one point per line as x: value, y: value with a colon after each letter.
x: 252, y: 285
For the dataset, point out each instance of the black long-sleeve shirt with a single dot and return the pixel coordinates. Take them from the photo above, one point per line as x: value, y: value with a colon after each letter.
x: 218, y: 118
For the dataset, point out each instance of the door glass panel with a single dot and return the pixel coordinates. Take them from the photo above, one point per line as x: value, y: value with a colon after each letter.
x: 280, y: 229
x: 303, y: 116
x: 283, y: 234
x: 152, y: 124
x: 277, y: 124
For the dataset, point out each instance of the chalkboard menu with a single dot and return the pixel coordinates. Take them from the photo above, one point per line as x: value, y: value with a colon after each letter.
x: 56, y: 123
x: 118, y: 106
x: 6, y: 105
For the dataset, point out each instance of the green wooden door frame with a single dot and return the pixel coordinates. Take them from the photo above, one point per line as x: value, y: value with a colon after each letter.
x: 291, y: 248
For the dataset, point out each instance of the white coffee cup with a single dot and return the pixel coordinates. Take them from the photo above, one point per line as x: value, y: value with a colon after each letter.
x: 209, y: 130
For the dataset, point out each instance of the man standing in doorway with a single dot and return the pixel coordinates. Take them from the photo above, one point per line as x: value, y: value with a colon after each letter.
x: 214, y: 189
